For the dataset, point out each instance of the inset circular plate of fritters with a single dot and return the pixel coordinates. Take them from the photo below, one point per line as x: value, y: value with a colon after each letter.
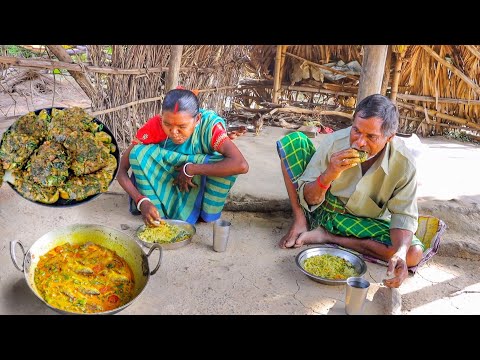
x: 59, y: 157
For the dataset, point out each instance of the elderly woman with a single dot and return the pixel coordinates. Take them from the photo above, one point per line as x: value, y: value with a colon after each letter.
x: 183, y: 163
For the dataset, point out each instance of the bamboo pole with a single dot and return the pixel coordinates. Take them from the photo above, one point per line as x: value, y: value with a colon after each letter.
x: 353, y: 77
x: 439, y: 100
x: 52, y: 64
x: 386, y: 73
x: 282, y: 63
x: 79, y: 76
x: 440, y: 115
x: 116, y: 108
x: 473, y: 50
x: 396, y: 76
x: 436, y: 123
x: 456, y: 71
x: 174, y: 67
x: 276, y: 76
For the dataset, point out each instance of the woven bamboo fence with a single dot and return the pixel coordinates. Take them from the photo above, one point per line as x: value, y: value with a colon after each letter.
x: 127, y: 84
x: 435, y: 87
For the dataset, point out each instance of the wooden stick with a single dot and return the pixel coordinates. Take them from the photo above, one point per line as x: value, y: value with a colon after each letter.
x: 52, y: 64
x: 353, y: 77
x: 440, y: 115
x: 116, y: 108
x: 456, y: 71
x: 409, y: 118
x: 137, y: 102
x: 217, y: 89
x: 79, y: 76
x: 440, y: 100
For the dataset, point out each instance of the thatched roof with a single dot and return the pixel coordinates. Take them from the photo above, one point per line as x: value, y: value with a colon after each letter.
x: 448, y: 73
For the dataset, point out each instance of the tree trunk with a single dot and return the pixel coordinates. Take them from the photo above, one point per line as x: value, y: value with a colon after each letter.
x: 79, y: 77
x: 373, y: 66
x: 174, y: 67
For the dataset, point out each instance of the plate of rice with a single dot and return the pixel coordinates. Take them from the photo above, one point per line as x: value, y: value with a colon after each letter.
x: 170, y: 234
x: 329, y: 265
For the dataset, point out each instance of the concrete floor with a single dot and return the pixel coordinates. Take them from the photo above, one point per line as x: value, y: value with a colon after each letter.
x: 254, y: 276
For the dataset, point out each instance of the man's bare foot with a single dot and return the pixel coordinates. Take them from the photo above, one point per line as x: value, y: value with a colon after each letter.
x: 316, y: 236
x: 297, y: 228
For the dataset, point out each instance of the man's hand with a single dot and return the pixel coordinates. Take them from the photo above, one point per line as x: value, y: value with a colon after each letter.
x: 397, y: 266
x: 341, y: 161
x: 150, y: 214
x: 183, y: 182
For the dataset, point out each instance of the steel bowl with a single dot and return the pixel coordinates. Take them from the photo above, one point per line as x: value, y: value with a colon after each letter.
x: 71, y: 202
x: 356, y: 261
x: 112, y: 239
x: 189, y: 228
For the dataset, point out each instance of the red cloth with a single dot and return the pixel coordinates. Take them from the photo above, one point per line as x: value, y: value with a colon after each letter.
x: 152, y: 133
x: 219, y: 135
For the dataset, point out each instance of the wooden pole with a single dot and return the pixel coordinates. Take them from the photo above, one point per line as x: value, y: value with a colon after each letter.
x: 396, y: 76
x: 174, y: 67
x: 282, y: 63
x: 456, y: 71
x: 53, y: 64
x: 440, y: 115
x: 373, y: 66
x: 79, y: 77
x: 276, y: 76
x: 386, y: 73
x: 439, y: 100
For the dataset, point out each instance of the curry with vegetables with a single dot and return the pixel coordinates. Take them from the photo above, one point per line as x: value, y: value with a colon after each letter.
x: 86, y: 278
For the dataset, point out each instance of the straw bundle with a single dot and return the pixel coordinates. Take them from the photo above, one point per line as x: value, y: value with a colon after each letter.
x: 423, y: 74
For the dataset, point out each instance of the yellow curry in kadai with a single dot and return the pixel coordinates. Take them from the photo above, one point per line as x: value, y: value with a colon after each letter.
x: 86, y: 278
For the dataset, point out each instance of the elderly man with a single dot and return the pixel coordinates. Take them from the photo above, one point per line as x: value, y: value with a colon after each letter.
x: 357, y: 189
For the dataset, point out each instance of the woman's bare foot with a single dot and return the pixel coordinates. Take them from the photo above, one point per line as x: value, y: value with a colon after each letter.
x: 316, y: 236
x: 298, y: 227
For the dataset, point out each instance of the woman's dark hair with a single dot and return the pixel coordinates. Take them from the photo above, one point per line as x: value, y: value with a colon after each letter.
x: 380, y: 106
x: 181, y: 100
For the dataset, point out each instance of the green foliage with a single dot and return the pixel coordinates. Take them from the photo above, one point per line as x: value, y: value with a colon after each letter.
x: 18, y: 51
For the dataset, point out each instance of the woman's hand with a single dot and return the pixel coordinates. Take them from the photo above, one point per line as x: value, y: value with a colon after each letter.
x: 183, y: 182
x: 150, y: 214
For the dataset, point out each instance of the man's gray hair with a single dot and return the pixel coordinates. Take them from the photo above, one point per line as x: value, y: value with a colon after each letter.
x: 380, y: 106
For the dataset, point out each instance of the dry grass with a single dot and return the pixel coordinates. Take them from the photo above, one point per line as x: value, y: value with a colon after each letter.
x: 423, y: 75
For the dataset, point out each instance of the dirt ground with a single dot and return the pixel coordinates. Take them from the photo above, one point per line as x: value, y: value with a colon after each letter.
x: 254, y: 276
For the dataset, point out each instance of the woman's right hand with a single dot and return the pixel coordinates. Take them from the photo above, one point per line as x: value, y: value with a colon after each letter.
x: 150, y: 214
